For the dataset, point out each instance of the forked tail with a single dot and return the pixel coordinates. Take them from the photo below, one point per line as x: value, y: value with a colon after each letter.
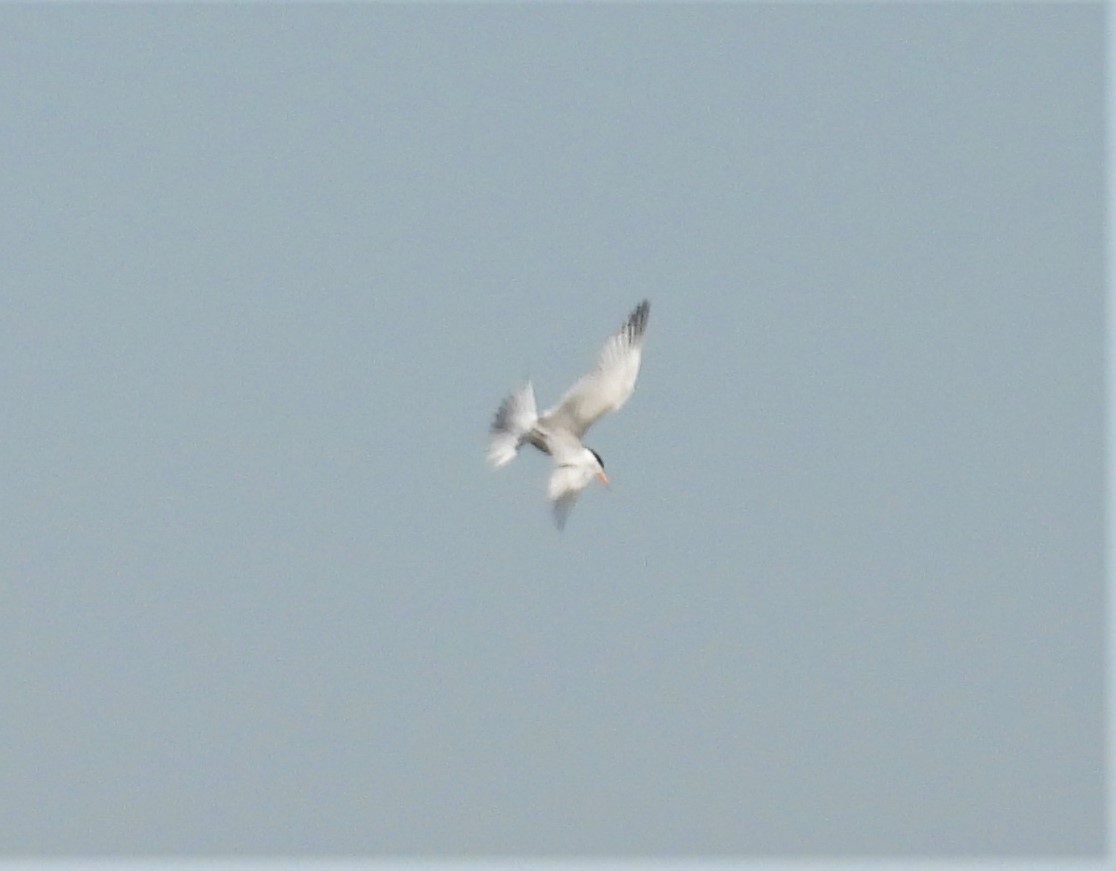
x: 514, y: 419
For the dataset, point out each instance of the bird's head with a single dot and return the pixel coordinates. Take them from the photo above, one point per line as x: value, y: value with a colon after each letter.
x: 601, y: 476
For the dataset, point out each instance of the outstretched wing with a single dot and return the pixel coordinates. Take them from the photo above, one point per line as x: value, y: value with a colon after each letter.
x: 566, y: 483
x: 562, y: 507
x: 609, y: 385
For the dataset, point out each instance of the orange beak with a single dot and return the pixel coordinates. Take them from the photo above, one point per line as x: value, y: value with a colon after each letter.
x: 602, y: 477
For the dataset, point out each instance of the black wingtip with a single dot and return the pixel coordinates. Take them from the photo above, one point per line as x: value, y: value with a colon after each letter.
x: 637, y: 321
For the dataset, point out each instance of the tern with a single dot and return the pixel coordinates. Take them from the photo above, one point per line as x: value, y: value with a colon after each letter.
x: 559, y: 430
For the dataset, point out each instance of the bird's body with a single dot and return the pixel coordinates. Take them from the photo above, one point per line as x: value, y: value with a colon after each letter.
x: 559, y: 430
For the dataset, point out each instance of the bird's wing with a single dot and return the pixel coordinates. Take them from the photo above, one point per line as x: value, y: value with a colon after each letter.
x: 609, y: 385
x: 566, y: 483
x: 563, y: 506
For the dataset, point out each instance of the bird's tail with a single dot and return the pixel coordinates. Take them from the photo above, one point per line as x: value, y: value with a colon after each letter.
x: 514, y: 419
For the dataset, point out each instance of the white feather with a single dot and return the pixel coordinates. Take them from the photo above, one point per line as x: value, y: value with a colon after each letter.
x: 515, y: 418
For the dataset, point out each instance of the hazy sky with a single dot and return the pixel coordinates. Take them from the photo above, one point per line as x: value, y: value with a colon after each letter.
x: 269, y: 269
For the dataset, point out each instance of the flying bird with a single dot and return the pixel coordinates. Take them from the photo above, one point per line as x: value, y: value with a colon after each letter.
x: 559, y: 430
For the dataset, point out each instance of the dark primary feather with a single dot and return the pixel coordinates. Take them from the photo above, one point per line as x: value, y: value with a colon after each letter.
x: 637, y: 323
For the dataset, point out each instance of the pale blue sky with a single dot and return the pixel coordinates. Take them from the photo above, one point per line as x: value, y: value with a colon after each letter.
x: 268, y: 271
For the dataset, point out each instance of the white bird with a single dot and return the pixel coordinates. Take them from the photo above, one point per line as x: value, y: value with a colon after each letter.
x: 559, y: 430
